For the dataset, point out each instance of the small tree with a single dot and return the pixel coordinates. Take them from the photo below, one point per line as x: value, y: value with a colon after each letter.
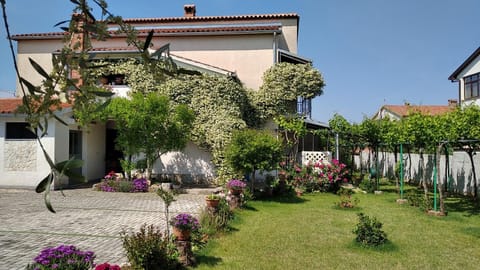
x: 150, y: 125
x: 251, y: 150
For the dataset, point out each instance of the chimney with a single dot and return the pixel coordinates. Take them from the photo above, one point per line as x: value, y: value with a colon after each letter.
x: 189, y: 10
x: 452, y: 103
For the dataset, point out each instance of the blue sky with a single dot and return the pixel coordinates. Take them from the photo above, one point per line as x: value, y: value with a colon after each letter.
x: 370, y: 52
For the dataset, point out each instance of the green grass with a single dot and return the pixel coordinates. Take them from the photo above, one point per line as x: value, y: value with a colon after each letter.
x: 312, y: 233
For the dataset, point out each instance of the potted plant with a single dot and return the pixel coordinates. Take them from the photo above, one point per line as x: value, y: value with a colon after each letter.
x: 183, y: 224
x: 236, y: 186
x: 212, y: 200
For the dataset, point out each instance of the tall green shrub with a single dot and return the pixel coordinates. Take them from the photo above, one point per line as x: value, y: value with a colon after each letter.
x: 149, y: 249
x: 251, y: 150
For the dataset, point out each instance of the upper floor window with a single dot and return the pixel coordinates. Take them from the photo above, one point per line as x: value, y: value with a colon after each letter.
x: 304, y: 107
x: 472, y: 86
x: 19, y: 131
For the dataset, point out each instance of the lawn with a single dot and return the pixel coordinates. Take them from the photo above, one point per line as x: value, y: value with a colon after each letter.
x: 312, y: 233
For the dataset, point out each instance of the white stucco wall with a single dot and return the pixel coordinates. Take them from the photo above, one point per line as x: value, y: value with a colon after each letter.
x: 22, y: 163
x: 193, y: 164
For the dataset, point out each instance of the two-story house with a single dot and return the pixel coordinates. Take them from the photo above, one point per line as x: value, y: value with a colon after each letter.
x: 243, y: 46
x: 468, y: 77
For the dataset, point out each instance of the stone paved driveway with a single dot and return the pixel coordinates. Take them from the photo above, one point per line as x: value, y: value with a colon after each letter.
x: 87, y: 219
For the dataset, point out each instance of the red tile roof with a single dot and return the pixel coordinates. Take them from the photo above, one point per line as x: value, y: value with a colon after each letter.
x: 166, y: 31
x: 405, y: 110
x: 10, y: 105
x: 213, y: 18
x: 190, y: 28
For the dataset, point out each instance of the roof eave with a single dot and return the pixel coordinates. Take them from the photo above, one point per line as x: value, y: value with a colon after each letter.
x: 454, y: 76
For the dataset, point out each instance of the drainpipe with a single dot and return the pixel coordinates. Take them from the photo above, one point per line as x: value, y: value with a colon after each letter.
x: 274, y: 47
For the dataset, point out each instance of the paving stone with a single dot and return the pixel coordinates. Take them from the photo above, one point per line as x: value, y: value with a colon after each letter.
x: 90, y: 220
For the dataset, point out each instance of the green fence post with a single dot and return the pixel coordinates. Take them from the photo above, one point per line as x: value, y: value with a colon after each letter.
x: 435, y: 183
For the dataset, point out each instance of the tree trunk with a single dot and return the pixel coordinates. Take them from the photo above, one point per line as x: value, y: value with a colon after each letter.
x: 253, y: 181
x: 148, y: 171
x: 475, y: 188
x: 423, y: 179
x: 439, y: 182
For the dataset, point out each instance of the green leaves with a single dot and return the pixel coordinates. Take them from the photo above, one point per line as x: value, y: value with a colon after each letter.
x: 39, y: 69
x: 62, y: 168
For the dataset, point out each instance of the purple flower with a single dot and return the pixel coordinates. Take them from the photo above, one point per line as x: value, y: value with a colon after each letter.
x: 63, y: 257
x: 236, y: 184
x: 185, y: 221
x: 140, y: 185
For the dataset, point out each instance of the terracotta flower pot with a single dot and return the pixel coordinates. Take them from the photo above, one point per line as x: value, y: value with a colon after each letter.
x: 182, y: 235
x: 212, y: 203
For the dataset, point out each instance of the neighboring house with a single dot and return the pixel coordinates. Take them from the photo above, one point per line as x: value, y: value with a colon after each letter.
x: 244, y: 46
x: 468, y: 77
x: 397, y: 112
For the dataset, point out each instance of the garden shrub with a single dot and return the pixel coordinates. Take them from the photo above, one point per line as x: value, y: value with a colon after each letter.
x: 212, y: 222
x: 417, y: 199
x: 320, y: 176
x: 369, y: 186
x: 149, y: 249
x: 369, y: 231
x: 125, y: 186
x: 346, y: 200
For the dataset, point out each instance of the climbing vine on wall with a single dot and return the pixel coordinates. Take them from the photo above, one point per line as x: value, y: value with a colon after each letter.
x: 221, y: 104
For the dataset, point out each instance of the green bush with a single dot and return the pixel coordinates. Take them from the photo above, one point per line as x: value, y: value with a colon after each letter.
x: 213, y: 222
x: 369, y: 186
x: 149, y: 249
x: 346, y: 200
x: 369, y: 231
x: 125, y: 186
x: 417, y: 199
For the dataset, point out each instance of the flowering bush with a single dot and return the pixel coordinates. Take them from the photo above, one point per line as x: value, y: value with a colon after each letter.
x: 63, y: 257
x: 112, y: 183
x: 140, y: 185
x: 320, y: 176
x: 185, y: 221
x: 331, y: 174
x: 107, y: 266
x: 236, y: 184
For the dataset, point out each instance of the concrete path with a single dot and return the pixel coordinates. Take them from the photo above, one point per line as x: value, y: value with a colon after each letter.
x: 90, y: 220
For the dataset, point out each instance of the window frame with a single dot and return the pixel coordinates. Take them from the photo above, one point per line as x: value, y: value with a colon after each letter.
x: 471, y: 85
x: 18, y: 131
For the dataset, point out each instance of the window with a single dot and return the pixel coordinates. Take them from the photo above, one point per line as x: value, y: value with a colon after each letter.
x: 472, y: 86
x: 15, y: 131
x: 304, y: 107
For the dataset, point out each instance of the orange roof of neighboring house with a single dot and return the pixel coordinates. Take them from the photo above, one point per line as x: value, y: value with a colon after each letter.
x: 10, y: 105
x: 405, y: 110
